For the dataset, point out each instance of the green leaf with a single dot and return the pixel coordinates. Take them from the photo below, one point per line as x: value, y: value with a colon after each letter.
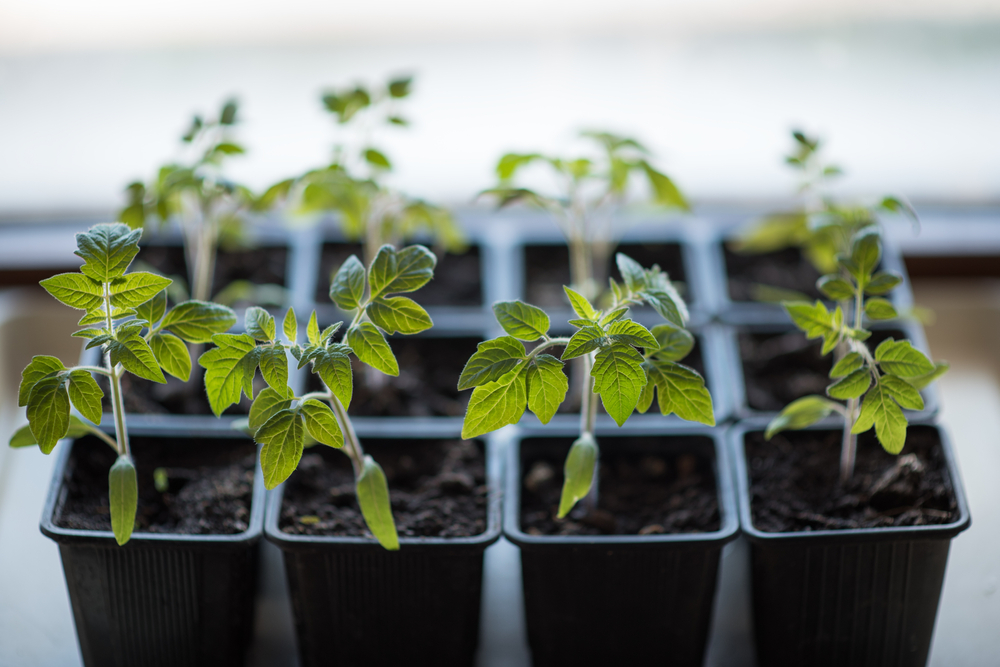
x: 198, y: 321
x: 399, y: 314
x: 229, y: 369
x: 851, y: 386
x: 400, y: 87
x: 883, y: 282
x: 880, y: 309
x: 269, y: 401
x: 850, y: 363
x: 132, y: 351
x: 814, y: 319
x: 632, y: 333
x: 646, y: 397
x: 835, y: 288
x: 921, y: 381
x: 521, y: 320
x: 681, y: 390
x: 581, y: 306
x: 282, y: 438
x: 866, y: 251
x: 260, y: 324
x: 86, y: 395
x: 578, y: 473
x: 612, y: 316
x: 584, y: 341
x: 632, y: 272
x: 23, y: 438
x: 172, y: 355
x: 107, y: 250
x: 152, y: 311
x: 290, y: 326
x: 509, y: 163
x: 801, y: 413
x: 274, y: 365
x: 99, y: 315
x: 665, y: 193
x: 370, y: 346
x: 75, y: 290
x: 900, y: 358
x: 321, y: 423
x: 905, y: 394
x: 373, y: 496
x: 773, y: 232
x: 408, y: 270
x: 879, y: 409
x: 334, y: 367
x: 312, y: 330
x: 348, y: 285
x: 135, y: 289
x: 48, y: 411
x: 492, y: 360
x: 547, y: 385
x: 619, y: 379
x: 496, y: 404
x: 377, y: 159
x: 41, y: 366
x: 123, y: 492
x: 668, y: 303
x: 89, y: 333
x: 673, y: 343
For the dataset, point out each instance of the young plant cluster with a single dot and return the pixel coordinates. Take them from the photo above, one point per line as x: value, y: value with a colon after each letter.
x: 126, y: 315
x: 882, y: 382
x: 625, y: 364
x: 283, y: 423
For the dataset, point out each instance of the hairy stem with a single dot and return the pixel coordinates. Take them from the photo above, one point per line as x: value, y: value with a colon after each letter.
x: 849, y: 444
x: 115, y: 375
x: 588, y: 416
x: 353, y: 445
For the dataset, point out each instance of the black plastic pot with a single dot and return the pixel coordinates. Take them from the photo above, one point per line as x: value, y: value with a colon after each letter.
x: 357, y: 604
x: 161, y: 599
x: 850, y: 598
x: 621, y: 599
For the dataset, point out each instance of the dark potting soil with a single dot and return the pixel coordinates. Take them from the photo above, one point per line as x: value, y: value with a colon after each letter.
x: 546, y: 269
x: 260, y: 266
x: 648, y: 493
x: 427, y: 385
x: 779, y: 368
x: 211, y: 496
x: 437, y: 489
x: 785, y: 269
x: 457, y: 278
x: 794, y: 482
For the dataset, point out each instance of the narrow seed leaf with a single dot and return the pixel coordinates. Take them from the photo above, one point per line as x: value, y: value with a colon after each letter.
x: 226, y: 368
x: 581, y: 306
x: 850, y: 363
x: 86, y: 395
x: 578, y: 473
x: 75, y: 290
x: 399, y: 314
x: 681, y: 390
x: 619, y: 379
x: 107, y: 250
x: 370, y: 346
x: 282, y: 438
x: 135, y: 289
x: 547, y: 386
x: 880, y: 410
x: 632, y: 333
x: 198, y: 321
x: 260, y: 324
x: 41, y: 366
x: 48, y: 411
x: 348, y: 285
x: 851, y: 386
x: 172, y: 355
x: 492, y: 360
x: 274, y: 365
x: 153, y: 310
x: 321, y: 423
x: 123, y: 493
x: 900, y: 358
x: 801, y: 413
x: 290, y: 326
x: 496, y: 404
x: 521, y: 320
x: 905, y: 394
x: 583, y: 341
x: 269, y: 401
x: 880, y: 309
x: 373, y: 496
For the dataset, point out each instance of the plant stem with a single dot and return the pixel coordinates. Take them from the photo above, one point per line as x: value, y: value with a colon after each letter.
x: 201, y: 288
x: 849, y: 444
x: 114, y: 373
x: 355, y: 452
x: 588, y: 416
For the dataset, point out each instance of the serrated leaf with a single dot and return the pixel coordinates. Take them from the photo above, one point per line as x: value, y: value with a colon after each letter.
x: 492, y: 360
x: 883, y: 282
x: 41, y: 366
x: 399, y: 314
x: 632, y: 333
x: 130, y: 350
x: 584, y: 341
x: 312, y: 329
x: 135, y: 289
x: 673, y: 343
x: 172, y: 355
x: 86, y: 395
x: 581, y: 306
x: 347, y: 287
x: 681, y: 390
x: 612, y: 316
x: 905, y: 394
x: 801, y: 413
x: 282, y: 439
x: 334, y: 367
x: 521, y: 320
x: 813, y: 319
x: 370, y: 346
x: 547, y: 385
x: 373, y: 497
x: 578, y: 323
x: 850, y: 363
x: 269, y: 401
x: 99, y: 315
x: 274, y: 365
x: 632, y: 272
x: 75, y: 290
x: 578, y: 473
x: 407, y: 270
x: 88, y: 333
x: 123, y: 494
x: 48, y: 411
x: 900, y: 358
x: 879, y: 409
x: 260, y: 324
x: 107, y: 250
x: 496, y: 404
x: 852, y: 385
x: 290, y: 326
x: 198, y: 321
x: 321, y: 423
x: 668, y: 303
x: 619, y: 379
x: 227, y: 368
x: 153, y: 310
x: 880, y: 309
x: 328, y: 332
x: 835, y: 288
x: 921, y: 381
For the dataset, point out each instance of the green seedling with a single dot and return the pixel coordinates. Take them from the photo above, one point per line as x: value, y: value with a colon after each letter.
x: 210, y: 209
x: 822, y: 227
x: 283, y: 423
x: 592, y: 190
x: 881, y: 382
x: 625, y: 363
x: 352, y: 184
x: 126, y: 315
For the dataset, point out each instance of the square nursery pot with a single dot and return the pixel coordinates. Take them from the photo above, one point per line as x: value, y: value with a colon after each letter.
x: 355, y: 603
x: 775, y: 364
x: 852, y: 597
x: 620, y: 599
x: 735, y: 274
x: 163, y: 598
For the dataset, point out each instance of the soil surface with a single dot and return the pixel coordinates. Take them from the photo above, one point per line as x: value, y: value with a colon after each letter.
x: 546, y: 269
x: 779, y: 368
x: 457, y: 278
x: 785, y: 269
x: 645, y: 493
x: 261, y: 266
x: 202, y: 499
x: 437, y: 489
x: 427, y: 385
x: 794, y: 482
